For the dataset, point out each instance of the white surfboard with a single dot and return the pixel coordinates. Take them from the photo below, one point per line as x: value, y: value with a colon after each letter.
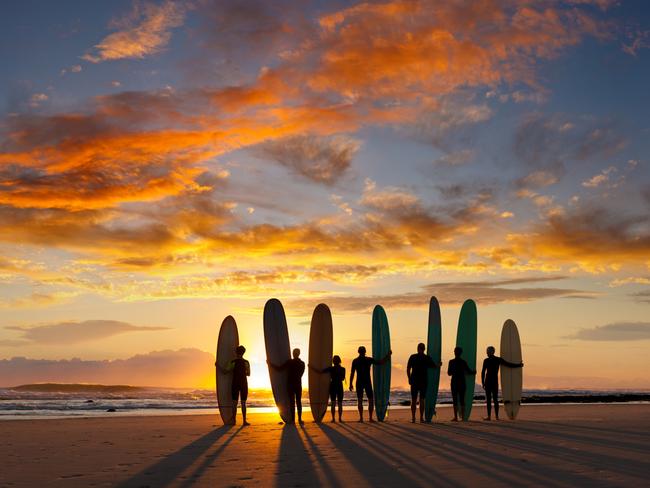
x: 511, y: 378
x: 276, y: 340
x: 226, y: 345
x: 320, y: 357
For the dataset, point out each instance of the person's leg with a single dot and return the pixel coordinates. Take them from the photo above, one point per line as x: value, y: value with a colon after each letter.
x: 299, y: 404
x: 495, y: 395
x: 292, y: 405
x: 454, y: 398
x: 340, y: 402
x: 488, y: 402
x: 422, y: 402
x: 234, y: 394
x: 414, y: 400
x: 333, y: 404
x: 244, y: 397
x: 360, y: 402
x: 461, y: 398
x: 371, y: 402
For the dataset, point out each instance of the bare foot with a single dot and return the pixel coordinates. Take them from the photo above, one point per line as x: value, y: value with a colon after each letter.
x: 454, y: 420
x: 245, y: 424
x: 488, y: 418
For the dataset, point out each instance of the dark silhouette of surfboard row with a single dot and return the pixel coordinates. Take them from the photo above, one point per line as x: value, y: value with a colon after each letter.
x: 276, y: 340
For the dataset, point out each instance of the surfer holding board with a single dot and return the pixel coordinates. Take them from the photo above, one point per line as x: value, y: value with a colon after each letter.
x: 490, y: 380
x: 295, y: 368
x: 417, y: 371
x: 240, y: 369
x: 361, y: 366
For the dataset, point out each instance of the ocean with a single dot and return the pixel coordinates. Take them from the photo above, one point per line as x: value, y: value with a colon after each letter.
x: 98, y: 401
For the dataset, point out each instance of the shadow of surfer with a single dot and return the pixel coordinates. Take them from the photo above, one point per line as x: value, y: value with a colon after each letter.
x: 416, y: 371
x: 361, y: 366
x: 337, y: 377
x: 295, y: 368
x: 457, y: 369
x: 490, y: 380
x: 240, y: 369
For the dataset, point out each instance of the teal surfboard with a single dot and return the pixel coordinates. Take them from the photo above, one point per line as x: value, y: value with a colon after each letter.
x: 380, y: 373
x: 466, y: 338
x: 434, y: 350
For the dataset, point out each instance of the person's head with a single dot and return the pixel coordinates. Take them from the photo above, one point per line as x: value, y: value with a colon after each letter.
x: 336, y: 360
x: 490, y: 351
x: 362, y: 350
x: 240, y: 351
x: 421, y: 347
x: 458, y: 351
x: 296, y: 353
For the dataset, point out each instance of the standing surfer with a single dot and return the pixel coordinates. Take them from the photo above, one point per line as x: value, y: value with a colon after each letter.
x: 361, y: 365
x: 241, y: 369
x: 337, y: 377
x: 416, y: 371
x: 490, y: 380
x: 457, y: 369
x: 295, y: 368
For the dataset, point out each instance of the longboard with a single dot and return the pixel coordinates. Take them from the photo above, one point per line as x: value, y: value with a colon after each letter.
x: 380, y: 373
x: 320, y: 357
x: 511, y: 378
x: 466, y: 338
x: 276, y: 341
x: 226, y: 345
x: 434, y: 350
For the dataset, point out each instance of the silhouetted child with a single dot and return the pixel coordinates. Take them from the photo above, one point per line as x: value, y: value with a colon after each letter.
x: 490, y: 380
x: 295, y: 368
x: 457, y: 369
x: 240, y: 369
x: 337, y: 377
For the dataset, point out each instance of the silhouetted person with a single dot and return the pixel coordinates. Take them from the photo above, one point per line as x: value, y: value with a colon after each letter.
x: 457, y: 369
x: 337, y: 377
x: 361, y: 365
x: 490, y: 380
x: 295, y: 368
x: 416, y: 370
x: 240, y: 370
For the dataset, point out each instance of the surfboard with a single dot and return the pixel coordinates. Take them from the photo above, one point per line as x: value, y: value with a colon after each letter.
x: 511, y: 378
x: 380, y: 373
x: 434, y: 351
x: 226, y: 345
x: 276, y: 342
x: 320, y: 357
x: 466, y: 338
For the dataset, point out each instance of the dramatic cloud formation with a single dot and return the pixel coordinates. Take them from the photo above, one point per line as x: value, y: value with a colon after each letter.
x: 143, y: 32
x: 75, y: 332
x: 483, y: 292
x: 182, y: 368
x: 621, y: 331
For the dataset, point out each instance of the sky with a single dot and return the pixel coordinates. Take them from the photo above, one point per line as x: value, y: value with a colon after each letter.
x: 165, y: 164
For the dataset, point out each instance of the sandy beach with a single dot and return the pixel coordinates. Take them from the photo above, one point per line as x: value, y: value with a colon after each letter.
x: 559, y: 445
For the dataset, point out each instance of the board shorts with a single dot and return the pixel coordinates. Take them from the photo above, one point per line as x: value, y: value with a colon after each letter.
x: 364, y: 387
x: 418, y: 389
x: 336, y: 393
x: 239, y: 389
x: 458, y: 393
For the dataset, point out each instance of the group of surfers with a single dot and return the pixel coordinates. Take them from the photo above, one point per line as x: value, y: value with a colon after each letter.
x: 416, y: 371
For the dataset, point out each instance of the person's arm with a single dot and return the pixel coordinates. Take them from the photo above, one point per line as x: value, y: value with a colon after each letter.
x: 449, y: 371
x: 468, y: 369
x: 409, y: 367
x: 352, y: 376
x: 384, y: 359
x: 432, y: 364
x: 277, y: 366
x: 511, y: 365
x: 248, y: 368
x: 227, y: 369
x: 316, y: 370
x: 483, y: 373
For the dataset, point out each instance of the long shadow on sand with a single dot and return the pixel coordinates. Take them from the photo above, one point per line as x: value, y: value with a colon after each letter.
x: 171, y: 466
x: 325, y: 468
x: 293, y: 459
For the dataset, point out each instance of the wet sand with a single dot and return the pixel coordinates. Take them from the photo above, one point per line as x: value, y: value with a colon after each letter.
x: 550, y: 445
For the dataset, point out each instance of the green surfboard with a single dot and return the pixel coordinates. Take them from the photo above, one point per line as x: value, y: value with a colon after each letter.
x: 380, y: 373
x: 466, y: 338
x: 434, y: 350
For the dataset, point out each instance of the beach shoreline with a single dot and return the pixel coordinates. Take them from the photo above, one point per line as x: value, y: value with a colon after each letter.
x: 558, y: 445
